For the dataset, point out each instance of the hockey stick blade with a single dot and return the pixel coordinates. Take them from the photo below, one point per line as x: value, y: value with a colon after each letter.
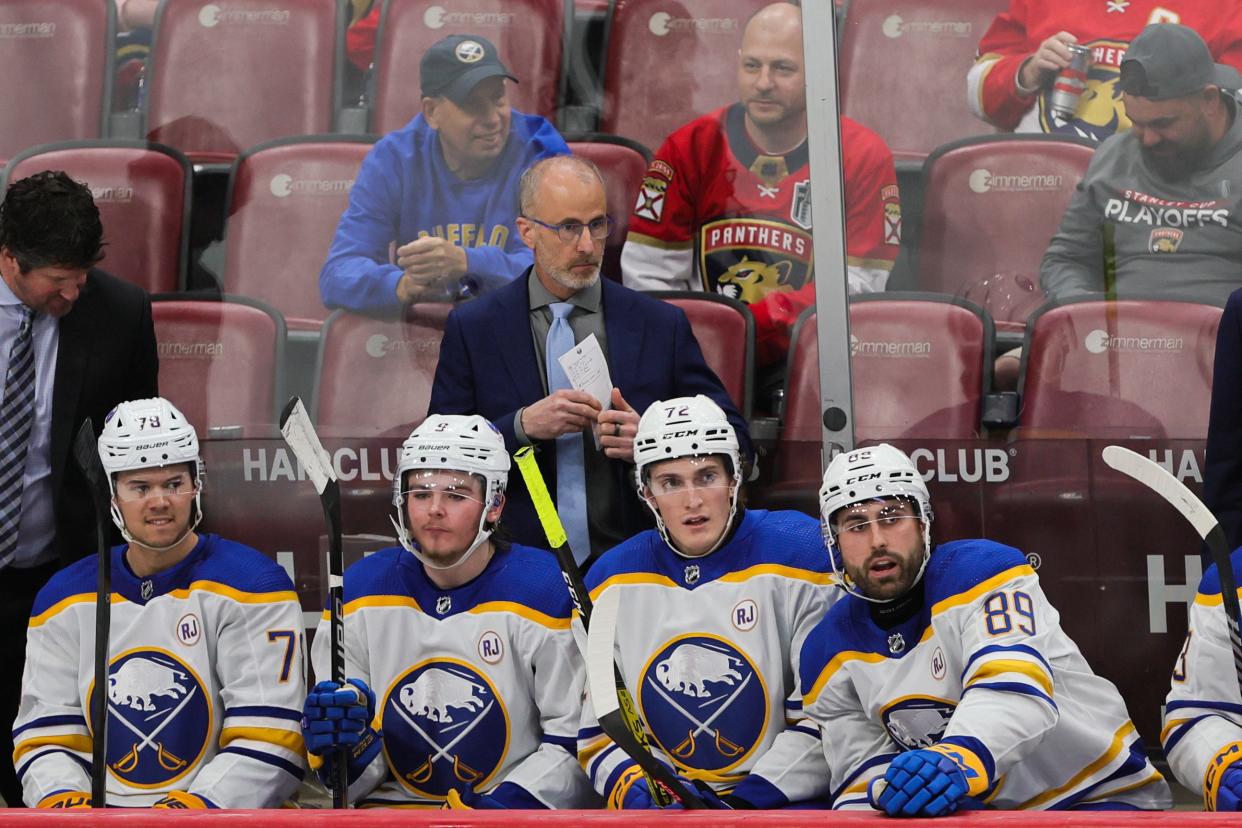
x: 302, y: 440
x: 613, y: 706
x: 86, y: 455
x: 1159, y: 480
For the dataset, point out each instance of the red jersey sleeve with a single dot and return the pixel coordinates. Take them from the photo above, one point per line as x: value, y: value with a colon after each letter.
x: 1004, y: 47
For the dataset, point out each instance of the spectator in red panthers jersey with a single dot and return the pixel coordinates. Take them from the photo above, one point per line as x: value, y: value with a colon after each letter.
x: 725, y: 206
x: 1025, y: 49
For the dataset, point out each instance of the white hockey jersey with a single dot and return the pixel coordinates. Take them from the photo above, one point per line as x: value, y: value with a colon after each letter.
x: 1202, y: 733
x: 709, y: 650
x: 475, y: 686
x: 205, y: 686
x: 984, y: 672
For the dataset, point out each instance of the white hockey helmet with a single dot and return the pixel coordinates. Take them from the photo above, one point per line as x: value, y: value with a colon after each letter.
x: 869, y: 474
x: 685, y: 427
x: 453, y: 442
x: 144, y: 434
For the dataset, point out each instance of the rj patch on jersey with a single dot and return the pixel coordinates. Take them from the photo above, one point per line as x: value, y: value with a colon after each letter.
x: 747, y: 258
x: 159, y: 718
x: 705, y: 702
x: 444, y: 725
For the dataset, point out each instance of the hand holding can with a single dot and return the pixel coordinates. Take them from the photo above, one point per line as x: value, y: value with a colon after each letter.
x: 1071, y: 82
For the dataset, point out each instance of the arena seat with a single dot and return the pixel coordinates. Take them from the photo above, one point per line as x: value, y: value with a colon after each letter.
x: 990, y: 206
x: 143, y: 194
x: 57, y: 57
x: 222, y: 362
x: 921, y: 366
x: 670, y: 61
x: 530, y: 34
x: 374, y: 376
x: 623, y: 163
x: 721, y: 324
x: 285, y: 199
x: 903, y: 69
x: 1119, y: 369
x: 225, y: 77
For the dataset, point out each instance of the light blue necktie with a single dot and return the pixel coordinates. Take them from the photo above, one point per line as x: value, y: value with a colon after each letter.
x: 570, y: 467
x: 16, y: 423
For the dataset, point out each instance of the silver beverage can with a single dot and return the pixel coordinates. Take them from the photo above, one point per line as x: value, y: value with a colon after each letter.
x: 1070, y: 83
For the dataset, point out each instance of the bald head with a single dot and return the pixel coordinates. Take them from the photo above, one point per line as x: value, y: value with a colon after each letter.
x: 771, y: 79
x: 562, y: 169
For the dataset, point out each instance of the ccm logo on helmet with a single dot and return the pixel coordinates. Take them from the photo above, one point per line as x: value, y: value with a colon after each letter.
x: 672, y: 435
x: 862, y: 478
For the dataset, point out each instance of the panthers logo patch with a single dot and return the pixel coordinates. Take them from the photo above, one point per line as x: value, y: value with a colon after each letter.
x: 747, y: 259
x: 444, y: 725
x: 704, y: 701
x: 159, y: 718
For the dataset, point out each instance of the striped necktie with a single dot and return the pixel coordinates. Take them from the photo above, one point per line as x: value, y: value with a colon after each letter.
x: 16, y: 421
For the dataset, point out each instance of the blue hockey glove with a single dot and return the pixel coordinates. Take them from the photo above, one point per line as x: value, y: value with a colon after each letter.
x: 919, y: 783
x: 1229, y: 794
x: 336, y: 716
x: 639, y: 797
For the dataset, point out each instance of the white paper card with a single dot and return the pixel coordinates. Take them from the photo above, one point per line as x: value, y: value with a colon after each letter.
x: 587, y: 370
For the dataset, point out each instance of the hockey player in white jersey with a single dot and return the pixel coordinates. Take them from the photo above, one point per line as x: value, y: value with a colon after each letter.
x: 944, y: 681
x: 465, y: 640
x: 1202, y: 733
x: 715, y: 604
x: 206, y: 674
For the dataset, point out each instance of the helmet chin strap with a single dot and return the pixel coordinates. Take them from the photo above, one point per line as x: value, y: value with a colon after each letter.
x: 403, y: 535
x: 848, y: 584
x: 724, y: 533
x: 119, y: 520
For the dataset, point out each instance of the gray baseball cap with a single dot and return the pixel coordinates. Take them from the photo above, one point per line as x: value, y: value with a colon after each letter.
x: 1169, y: 60
x: 453, y: 66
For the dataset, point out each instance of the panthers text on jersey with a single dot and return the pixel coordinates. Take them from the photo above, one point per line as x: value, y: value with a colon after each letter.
x: 1202, y: 733
x: 716, y: 214
x: 708, y: 648
x: 206, y: 682
x: 475, y: 686
x: 983, y: 673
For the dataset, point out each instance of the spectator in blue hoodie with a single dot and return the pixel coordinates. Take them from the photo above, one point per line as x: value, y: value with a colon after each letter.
x: 431, y: 214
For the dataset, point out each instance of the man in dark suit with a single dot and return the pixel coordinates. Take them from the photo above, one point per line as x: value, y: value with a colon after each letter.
x: 499, y: 359
x: 74, y: 342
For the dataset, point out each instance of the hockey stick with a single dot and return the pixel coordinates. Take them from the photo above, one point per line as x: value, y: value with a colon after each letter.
x: 86, y: 454
x: 622, y: 723
x: 1158, y: 479
x: 300, y: 435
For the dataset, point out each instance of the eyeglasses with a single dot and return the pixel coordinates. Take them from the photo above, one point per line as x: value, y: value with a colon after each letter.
x: 169, y: 488
x: 571, y: 231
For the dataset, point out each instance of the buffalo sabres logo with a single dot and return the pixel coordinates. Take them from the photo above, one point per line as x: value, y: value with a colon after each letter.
x: 444, y: 726
x: 443, y: 604
x: 896, y: 643
x: 704, y: 701
x: 917, y: 722
x: 159, y: 718
x: 692, y: 574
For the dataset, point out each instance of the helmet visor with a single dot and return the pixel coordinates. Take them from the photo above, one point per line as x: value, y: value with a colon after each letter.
x: 684, y: 475
x: 425, y: 488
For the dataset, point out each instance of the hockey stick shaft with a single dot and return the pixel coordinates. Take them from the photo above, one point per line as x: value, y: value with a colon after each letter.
x: 634, y: 741
x: 1159, y: 480
x: 86, y: 454
x: 300, y: 435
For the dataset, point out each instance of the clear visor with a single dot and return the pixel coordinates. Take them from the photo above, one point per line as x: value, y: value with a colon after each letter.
x: 132, y: 491
x: 673, y: 478
x: 437, y: 488
x: 886, y: 512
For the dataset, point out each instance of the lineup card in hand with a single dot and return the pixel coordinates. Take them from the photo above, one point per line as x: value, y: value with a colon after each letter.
x: 587, y: 370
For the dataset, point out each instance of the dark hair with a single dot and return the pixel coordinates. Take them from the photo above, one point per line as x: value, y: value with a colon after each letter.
x: 50, y: 220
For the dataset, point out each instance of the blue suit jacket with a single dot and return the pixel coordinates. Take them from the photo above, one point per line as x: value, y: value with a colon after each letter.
x: 1222, y: 489
x: 488, y: 366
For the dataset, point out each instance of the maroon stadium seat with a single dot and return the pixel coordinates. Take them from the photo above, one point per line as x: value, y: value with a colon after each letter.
x: 374, y: 375
x: 903, y: 69
x: 530, y: 35
x: 920, y: 366
x: 285, y: 199
x: 670, y: 61
x: 226, y: 77
x: 57, y: 58
x: 221, y: 362
x: 143, y: 194
x: 1120, y: 369
x: 623, y: 164
x: 990, y: 206
x: 725, y: 330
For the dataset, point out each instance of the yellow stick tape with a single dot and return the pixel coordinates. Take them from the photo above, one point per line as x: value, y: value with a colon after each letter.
x: 533, y: 478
